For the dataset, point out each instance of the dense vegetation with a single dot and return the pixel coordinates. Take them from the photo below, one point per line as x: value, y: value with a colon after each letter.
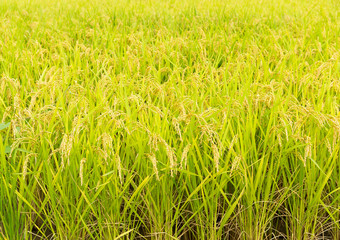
x: 169, y: 119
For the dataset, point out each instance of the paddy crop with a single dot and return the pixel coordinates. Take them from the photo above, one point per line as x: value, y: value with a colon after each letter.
x: 168, y: 119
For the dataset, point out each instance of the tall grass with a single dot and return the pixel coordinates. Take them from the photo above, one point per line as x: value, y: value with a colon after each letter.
x: 169, y: 119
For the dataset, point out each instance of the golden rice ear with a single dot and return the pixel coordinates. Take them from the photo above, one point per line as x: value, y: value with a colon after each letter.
x: 236, y: 164
x: 308, y: 150
x: 153, y: 159
x: 216, y: 155
x: 175, y: 123
x: 107, y: 142
x: 184, y: 158
x: 119, y: 167
x: 172, y: 157
x: 33, y: 101
x: 65, y: 149
x: 329, y: 146
x: 25, y: 164
x: 233, y: 141
x: 81, y: 171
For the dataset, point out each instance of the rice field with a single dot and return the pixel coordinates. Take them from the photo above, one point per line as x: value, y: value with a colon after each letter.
x: 170, y: 119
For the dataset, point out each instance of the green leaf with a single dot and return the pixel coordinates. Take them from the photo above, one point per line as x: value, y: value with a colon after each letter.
x: 23, y: 150
x: 4, y: 125
x: 8, y: 149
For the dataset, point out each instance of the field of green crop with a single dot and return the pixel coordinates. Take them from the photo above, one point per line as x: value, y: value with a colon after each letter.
x: 170, y: 119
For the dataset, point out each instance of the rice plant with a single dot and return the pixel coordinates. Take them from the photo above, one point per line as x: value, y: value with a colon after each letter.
x: 170, y: 119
